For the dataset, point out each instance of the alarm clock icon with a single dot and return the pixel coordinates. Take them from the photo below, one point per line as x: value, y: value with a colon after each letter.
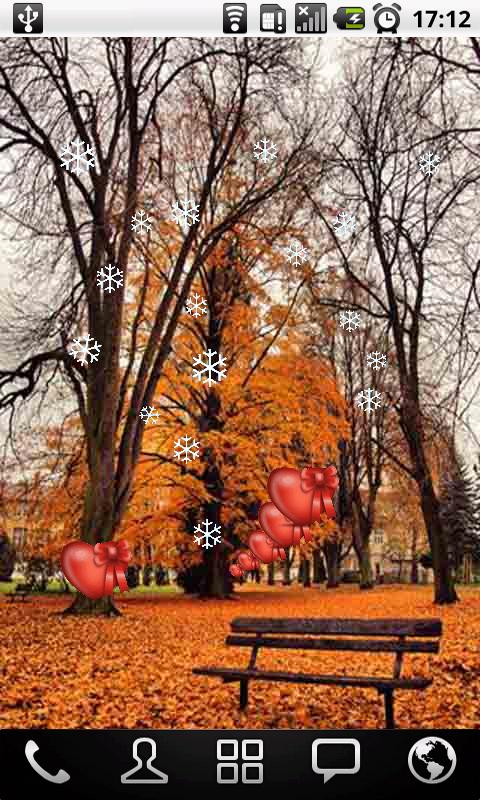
x: 387, y: 18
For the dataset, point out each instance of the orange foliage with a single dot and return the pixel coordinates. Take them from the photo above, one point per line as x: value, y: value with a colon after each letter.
x: 278, y: 405
x: 136, y: 671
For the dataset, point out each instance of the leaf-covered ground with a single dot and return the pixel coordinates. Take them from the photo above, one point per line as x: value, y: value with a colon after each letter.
x: 135, y: 671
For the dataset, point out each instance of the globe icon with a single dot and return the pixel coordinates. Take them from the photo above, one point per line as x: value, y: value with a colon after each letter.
x: 432, y: 760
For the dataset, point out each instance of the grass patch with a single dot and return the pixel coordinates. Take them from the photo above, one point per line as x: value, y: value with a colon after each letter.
x: 56, y: 587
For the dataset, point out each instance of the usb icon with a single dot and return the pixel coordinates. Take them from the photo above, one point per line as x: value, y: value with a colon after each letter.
x: 273, y: 18
x: 28, y: 18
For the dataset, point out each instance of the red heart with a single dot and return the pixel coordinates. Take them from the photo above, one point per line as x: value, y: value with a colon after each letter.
x: 264, y: 549
x: 247, y: 562
x: 285, y: 489
x: 281, y: 529
x: 80, y: 569
x: 236, y: 571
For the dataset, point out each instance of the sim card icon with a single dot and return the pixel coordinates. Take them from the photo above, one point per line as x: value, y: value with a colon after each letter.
x: 273, y: 18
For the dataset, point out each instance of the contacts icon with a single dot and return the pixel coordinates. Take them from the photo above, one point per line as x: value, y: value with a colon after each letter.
x: 144, y: 772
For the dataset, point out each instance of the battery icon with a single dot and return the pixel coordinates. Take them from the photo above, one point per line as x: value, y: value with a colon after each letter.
x: 350, y: 18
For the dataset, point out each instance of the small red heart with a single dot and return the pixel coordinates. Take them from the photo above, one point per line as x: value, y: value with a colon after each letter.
x: 236, y: 571
x: 285, y: 489
x: 80, y: 569
x: 264, y: 548
x: 281, y: 529
x: 247, y: 562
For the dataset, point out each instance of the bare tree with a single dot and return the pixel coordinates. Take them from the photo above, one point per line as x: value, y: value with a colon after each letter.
x: 364, y: 450
x: 411, y: 234
x: 119, y: 96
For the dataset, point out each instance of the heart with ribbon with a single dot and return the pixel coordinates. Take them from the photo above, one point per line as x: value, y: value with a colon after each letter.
x: 299, y: 497
x: 246, y: 562
x: 265, y: 548
x: 304, y: 496
x: 96, y: 570
x: 282, y: 530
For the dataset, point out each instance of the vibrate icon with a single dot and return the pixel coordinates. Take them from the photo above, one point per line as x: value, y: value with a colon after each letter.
x: 28, y: 18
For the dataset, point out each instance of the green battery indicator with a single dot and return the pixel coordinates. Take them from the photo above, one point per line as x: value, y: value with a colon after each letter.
x: 350, y: 18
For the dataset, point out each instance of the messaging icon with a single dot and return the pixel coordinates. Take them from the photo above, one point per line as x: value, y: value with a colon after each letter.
x: 332, y: 757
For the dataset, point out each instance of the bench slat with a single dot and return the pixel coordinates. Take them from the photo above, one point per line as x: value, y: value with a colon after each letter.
x: 380, y: 683
x: 345, y: 627
x: 359, y: 645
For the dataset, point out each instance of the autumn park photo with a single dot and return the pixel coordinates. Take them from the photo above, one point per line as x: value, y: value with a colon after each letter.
x: 239, y: 383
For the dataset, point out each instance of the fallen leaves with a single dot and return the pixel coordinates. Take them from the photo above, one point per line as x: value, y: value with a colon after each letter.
x: 135, y: 671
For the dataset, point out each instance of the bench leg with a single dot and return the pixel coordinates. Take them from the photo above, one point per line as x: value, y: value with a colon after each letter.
x: 243, y: 694
x: 389, y: 719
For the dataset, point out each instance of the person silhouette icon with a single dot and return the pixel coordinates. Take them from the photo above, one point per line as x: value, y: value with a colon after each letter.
x: 144, y: 773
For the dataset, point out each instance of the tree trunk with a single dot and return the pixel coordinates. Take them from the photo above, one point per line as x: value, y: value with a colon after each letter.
x: 412, y: 425
x: 300, y: 571
x: 318, y: 567
x: 362, y: 532
x: 414, y: 571
x: 362, y: 549
x: 467, y: 568
x: 332, y: 559
x: 366, y: 573
x: 306, y: 575
x: 271, y: 574
x: 442, y: 571
x: 286, y: 570
x: 105, y: 607
x: 97, y: 526
x: 414, y: 556
x: 217, y: 582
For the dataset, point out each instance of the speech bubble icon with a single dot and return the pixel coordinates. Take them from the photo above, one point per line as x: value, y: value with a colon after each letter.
x: 330, y: 772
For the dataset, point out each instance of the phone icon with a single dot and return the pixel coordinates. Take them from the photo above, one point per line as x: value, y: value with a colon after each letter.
x: 30, y: 749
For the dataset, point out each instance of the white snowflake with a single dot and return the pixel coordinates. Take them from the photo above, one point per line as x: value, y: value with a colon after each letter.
x: 344, y: 224
x: 109, y: 278
x: 189, y: 451
x: 196, y: 306
x: 149, y: 414
x: 77, y: 157
x: 297, y: 254
x: 376, y: 360
x: 368, y: 400
x: 185, y: 213
x: 141, y: 221
x: 208, y: 534
x: 82, y: 348
x: 210, y: 372
x: 428, y: 163
x: 350, y: 320
x: 265, y: 150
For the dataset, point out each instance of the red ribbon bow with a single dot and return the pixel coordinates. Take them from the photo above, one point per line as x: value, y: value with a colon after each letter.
x: 324, y: 483
x: 299, y: 531
x: 116, y: 555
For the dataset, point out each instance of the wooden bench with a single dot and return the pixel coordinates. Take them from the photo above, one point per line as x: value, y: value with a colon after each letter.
x: 21, y: 592
x: 397, y: 636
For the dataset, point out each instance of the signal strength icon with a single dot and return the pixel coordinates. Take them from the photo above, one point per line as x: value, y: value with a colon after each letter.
x: 234, y: 17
